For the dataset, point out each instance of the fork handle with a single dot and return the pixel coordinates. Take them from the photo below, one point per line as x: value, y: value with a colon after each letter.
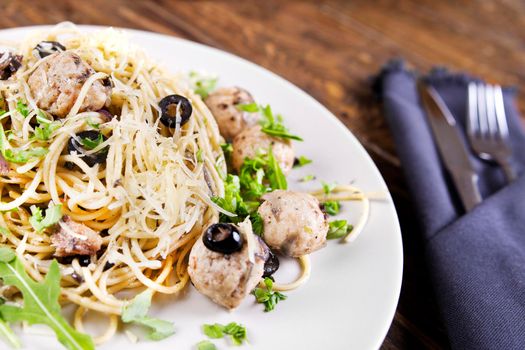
x: 509, y: 171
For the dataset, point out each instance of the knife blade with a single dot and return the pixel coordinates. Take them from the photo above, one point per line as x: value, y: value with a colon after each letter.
x: 451, y: 146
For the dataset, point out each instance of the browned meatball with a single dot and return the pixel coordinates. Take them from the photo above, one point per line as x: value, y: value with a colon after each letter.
x: 293, y: 222
x: 253, y: 140
x: 56, y: 84
x: 227, y: 278
x: 223, y: 105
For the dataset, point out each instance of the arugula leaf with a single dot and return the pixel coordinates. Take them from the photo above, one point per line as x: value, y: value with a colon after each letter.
x: 89, y: 144
x: 307, y: 178
x: 301, y: 161
x: 328, y: 188
x: 23, y: 156
x: 338, y: 229
x: 331, y: 207
x: 214, y: 331
x: 8, y: 334
x: 136, y: 312
x: 22, y: 108
x: 39, y: 222
x: 206, y: 345
x: 268, y: 296
x: 40, y: 302
x: 6, y: 255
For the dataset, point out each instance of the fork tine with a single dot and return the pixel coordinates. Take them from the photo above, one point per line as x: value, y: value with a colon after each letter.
x: 472, y: 121
x: 500, y: 113
x: 491, y: 112
x: 482, y: 110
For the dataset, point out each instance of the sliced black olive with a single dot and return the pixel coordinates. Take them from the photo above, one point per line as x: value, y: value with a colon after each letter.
x: 9, y: 64
x: 94, y: 136
x: 169, y: 106
x: 223, y: 238
x: 84, y: 260
x: 46, y: 48
x: 108, y: 265
x: 271, y: 264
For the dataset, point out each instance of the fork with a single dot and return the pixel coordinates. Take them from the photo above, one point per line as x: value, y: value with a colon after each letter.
x: 487, y: 128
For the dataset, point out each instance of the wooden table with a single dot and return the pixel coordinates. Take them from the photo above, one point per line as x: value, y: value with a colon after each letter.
x: 331, y: 49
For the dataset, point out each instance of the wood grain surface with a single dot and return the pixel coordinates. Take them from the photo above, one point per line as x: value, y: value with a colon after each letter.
x: 331, y: 49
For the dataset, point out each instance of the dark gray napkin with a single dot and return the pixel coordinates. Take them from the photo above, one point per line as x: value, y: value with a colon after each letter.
x: 477, y: 259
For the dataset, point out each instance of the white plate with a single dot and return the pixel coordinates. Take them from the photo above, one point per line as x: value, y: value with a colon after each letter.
x: 351, y: 297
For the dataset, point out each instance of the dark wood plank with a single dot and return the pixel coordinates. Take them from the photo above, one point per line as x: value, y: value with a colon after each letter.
x: 331, y: 49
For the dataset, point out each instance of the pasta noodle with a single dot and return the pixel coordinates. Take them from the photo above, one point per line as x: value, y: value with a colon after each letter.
x: 150, y: 198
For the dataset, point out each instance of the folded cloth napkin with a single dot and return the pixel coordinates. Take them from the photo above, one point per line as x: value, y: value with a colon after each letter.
x: 476, y: 259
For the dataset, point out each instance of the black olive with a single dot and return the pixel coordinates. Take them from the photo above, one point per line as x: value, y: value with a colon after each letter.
x: 108, y: 265
x: 271, y: 264
x: 9, y: 64
x: 46, y: 48
x: 169, y: 106
x: 84, y: 260
x: 93, y: 158
x: 223, y: 238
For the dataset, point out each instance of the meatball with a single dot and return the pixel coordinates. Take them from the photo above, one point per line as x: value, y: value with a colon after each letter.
x: 56, y: 83
x: 223, y: 105
x: 250, y: 141
x: 227, y: 278
x: 293, y: 222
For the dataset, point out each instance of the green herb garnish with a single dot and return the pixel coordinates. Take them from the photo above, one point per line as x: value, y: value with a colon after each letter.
x: 236, y: 331
x: 23, y: 156
x: 307, y: 178
x: 44, y: 131
x: 328, y: 188
x: 271, y: 125
x: 338, y: 229
x: 92, y: 124
x: 136, y: 312
x: 257, y: 224
x: 90, y: 144
x: 331, y: 207
x: 39, y: 222
x: 40, y: 301
x: 8, y: 334
x: 206, y: 345
x: 302, y: 161
x: 22, y: 108
x: 199, y: 156
x: 268, y: 296
x: 203, y: 85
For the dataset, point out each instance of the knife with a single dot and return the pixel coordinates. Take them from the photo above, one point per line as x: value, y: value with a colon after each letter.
x: 451, y: 146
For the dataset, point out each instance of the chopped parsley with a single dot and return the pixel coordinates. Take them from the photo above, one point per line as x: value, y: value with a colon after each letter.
x: 338, y: 229
x: 90, y: 144
x: 198, y: 155
x: 92, y: 123
x: 328, y: 188
x: 307, y: 178
x: 271, y: 124
x: 202, y: 85
x: 44, y: 131
x: 257, y: 224
x: 206, y: 345
x: 301, y: 161
x: 236, y: 331
x: 242, y: 193
x: 40, y: 222
x: 268, y: 296
x: 331, y: 207
x: 227, y: 149
x: 22, y: 108
x: 23, y: 156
